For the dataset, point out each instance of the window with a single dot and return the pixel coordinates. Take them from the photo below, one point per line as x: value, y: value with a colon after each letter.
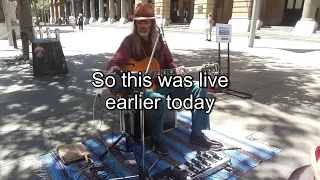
x: 290, y: 4
x: 298, y: 4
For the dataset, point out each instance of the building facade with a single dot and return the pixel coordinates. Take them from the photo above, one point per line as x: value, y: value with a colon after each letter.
x: 303, y: 15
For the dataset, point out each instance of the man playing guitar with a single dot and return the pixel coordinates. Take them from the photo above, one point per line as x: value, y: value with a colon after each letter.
x: 139, y: 45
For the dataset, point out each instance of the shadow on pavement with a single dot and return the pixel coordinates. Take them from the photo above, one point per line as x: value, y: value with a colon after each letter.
x: 296, y: 50
x: 62, y: 106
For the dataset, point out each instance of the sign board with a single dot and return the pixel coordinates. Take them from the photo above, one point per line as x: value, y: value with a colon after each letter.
x: 223, y: 33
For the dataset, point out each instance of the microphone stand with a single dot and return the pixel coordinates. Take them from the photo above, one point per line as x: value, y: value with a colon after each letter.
x: 141, y: 93
x: 142, y: 171
x: 161, y: 31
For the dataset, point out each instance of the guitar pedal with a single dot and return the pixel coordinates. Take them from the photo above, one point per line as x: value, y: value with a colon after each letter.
x: 205, y: 163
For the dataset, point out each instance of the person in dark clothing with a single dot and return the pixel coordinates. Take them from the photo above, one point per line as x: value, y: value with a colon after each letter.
x: 80, y: 22
x: 138, y: 45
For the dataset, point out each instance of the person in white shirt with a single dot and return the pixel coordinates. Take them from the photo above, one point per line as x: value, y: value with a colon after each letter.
x: 178, y: 15
x: 72, y: 21
x: 209, y: 26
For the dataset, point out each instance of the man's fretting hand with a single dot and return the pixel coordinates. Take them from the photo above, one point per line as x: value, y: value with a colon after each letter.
x: 180, y: 71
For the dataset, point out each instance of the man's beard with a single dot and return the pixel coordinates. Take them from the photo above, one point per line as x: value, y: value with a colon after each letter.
x: 143, y: 32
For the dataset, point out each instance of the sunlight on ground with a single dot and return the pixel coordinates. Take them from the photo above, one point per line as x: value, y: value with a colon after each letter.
x: 14, y: 88
x: 39, y: 109
x: 66, y: 98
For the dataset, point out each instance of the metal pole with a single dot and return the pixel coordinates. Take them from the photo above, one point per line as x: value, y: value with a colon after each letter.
x: 41, y: 33
x: 48, y: 32
x: 228, y: 61
x: 57, y: 32
x: 254, y: 18
x: 14, y: 39
x: 8, y: 21
x: 219, y: 59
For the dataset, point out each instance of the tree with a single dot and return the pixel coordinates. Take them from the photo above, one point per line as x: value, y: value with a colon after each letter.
x: 26, y: 28
x: 1, y: 9
x: 38, y: 6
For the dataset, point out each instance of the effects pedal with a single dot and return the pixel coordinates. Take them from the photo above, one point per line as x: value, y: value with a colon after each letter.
x: 204, y: 164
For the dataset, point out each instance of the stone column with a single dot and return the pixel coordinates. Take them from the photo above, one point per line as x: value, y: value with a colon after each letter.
x: 123, y: 18
x: 56, y: 12
x: 73, y: 8
x: 241, y: 15
x: 85, y: 12
x: 201, y: 10
x: 318, y: 16
x: 52, y: 14
x: 62, y: 12
x: 78, y: 8
x: 162, y: 10
x: 2, y: 19
x: 68, y: 13
x: 307, y: 25
x: 111, y: 12
x: 101, y: 12
x: 92, y: 12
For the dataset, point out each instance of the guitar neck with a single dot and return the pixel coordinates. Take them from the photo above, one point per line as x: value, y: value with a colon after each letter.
x: 162, y: 72
x: 193, y: 69
x: 173, y: 71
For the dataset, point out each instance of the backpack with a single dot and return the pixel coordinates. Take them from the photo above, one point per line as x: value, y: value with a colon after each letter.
x: 80, y: 19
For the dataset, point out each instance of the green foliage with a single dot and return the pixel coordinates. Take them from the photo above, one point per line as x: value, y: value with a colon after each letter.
x: 38, y: 5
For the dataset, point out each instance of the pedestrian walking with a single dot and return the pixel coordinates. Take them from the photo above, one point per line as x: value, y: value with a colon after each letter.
x: 72, y: 21
x: 80, y: 22
x: 178, y: 15
x: 209, y: 26
x: 185, y: 14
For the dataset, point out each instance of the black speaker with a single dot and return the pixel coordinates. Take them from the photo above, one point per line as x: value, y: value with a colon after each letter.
x: 48, y: 57
x: 170, y: 123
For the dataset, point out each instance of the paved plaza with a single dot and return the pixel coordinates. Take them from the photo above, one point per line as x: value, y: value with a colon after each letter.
x: 282, y: 76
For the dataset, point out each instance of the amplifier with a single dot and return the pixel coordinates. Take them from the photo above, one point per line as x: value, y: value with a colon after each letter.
x: 48, y: 57
x: 204, y: 164
x: 133, y: 124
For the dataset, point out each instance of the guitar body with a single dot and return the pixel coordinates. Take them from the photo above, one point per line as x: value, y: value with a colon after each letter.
x: 136, y: 66
x: 141, y: 66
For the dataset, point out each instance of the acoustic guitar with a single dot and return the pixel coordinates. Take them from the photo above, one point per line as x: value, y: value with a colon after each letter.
x: 154, y: 70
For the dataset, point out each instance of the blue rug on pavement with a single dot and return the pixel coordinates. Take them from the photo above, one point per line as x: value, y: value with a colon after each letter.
x: 246, y: 155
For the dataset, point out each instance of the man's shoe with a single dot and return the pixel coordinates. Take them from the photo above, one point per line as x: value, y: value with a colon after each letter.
x: 160, y: 148
x: 203, y: 141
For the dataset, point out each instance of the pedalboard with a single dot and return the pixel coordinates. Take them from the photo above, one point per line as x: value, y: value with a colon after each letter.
x: 204, y: 164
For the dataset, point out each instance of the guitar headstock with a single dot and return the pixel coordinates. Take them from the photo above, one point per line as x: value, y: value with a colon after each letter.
x: 210, y: 67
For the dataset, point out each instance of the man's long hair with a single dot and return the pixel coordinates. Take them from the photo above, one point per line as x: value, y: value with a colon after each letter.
x: 137, y: 46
